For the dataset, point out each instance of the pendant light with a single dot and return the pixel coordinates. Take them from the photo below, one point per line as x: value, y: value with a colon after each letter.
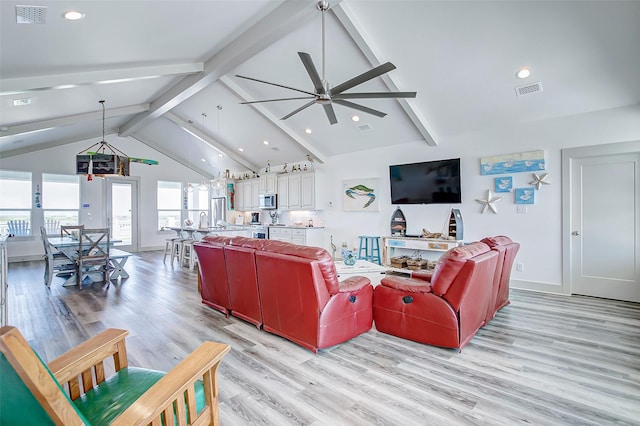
x: 203, y: 184
x: 220, y: 182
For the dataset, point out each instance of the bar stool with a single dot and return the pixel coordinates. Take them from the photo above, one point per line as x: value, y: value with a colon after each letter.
x: 369, y: 249
x: 187, y: 253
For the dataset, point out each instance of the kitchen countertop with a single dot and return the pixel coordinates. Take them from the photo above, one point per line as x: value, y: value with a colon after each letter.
x: 295, y: 227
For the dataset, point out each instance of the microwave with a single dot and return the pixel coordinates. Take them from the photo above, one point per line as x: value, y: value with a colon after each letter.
x: 268, y: 201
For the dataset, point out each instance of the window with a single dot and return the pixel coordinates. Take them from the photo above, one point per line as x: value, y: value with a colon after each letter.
x: 60, y: 201
x: 169, y: 204
x: 15, y: 202
x: 197, y: 202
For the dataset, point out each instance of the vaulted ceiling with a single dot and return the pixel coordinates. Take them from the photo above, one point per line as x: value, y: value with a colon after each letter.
x: 164, y: 67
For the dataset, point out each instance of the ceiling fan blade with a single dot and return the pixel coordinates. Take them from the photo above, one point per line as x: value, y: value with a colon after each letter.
x: 365, y: 76
x: 275, y: 100
x: 275, y: 84
x: 360, y: 107
x: 307, y: 105
x: 312, y: 71
x: 372, y: 95
x: 331, y: 114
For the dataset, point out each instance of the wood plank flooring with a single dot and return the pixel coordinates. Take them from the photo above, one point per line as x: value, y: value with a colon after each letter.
x: 543, y: 360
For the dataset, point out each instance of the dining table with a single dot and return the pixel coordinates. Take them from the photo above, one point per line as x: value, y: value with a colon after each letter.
x: 69, y: 246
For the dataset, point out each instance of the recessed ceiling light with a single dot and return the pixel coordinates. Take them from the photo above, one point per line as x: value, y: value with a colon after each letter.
x: 73, y: 15
x: 203, y: 160
x: 523, y: 73
x: 22, y: 102
x: 355, y: 118
x: 265, y: 142
x: 307, y: 131
x: 220, y: 155
x: 240, y: 149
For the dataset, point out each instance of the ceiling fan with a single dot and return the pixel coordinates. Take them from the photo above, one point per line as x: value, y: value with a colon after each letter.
x: 326, y: 95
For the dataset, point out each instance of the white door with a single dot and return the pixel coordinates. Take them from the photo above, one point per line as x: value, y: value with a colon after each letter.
x: 604, y: 226
x: 122, y: 212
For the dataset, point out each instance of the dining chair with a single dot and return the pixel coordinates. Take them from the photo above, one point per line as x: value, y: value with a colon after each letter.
x: 55, y: 260
x: 93, y: 254
x: 72, y: 231
x: 19, y: 227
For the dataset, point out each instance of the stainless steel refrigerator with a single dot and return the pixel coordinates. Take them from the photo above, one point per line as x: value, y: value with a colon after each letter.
x: 218, y: 210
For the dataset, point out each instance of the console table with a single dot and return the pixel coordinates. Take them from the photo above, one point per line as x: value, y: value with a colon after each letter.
x: 426, y: 248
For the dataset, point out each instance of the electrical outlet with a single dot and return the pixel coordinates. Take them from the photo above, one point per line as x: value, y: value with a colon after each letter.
x: 519, y: 267
x: 522, y: 209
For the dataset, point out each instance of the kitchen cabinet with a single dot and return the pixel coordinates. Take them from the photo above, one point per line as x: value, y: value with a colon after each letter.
x: 296, y: 191
x: 297, y: 235
x: 247, y: 195
x: 268, y: 183
x: 255, y: 194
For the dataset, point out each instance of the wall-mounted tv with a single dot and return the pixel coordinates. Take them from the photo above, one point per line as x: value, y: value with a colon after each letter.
x: 430, y: 182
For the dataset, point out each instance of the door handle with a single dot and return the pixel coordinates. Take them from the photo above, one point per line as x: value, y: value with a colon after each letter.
x: 576, y: 233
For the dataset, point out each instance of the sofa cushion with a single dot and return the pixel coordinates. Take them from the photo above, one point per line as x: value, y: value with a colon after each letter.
x: 451, y: 263
x: 410, y: 285
x: 217, y: 240
x: 325, y: 262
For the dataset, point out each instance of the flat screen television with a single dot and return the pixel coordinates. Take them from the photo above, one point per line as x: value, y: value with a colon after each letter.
x: 430, y: 182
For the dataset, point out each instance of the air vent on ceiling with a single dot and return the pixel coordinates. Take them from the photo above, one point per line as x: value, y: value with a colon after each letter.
x: 275, y: 148
x: 31, y: 14
x: 364, y: 127
x: 529, y: 89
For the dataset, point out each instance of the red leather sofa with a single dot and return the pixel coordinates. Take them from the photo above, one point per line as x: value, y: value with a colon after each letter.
x: 287, y: 289
x: 445, y: 308
x: 507, y: 251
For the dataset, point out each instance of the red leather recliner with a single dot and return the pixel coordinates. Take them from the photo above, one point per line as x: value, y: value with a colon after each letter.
x: 214, y: 287
x: 507, y: 251
x: 446, y: 311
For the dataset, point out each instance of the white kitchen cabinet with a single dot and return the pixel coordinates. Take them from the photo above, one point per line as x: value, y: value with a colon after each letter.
x: 255, y: 193
x: 302, y: 236
x: 268, y: 183
x: 296, y: 191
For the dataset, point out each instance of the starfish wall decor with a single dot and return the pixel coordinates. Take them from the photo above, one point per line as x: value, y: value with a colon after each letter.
x: 489, y: 202
x: 539, y: 180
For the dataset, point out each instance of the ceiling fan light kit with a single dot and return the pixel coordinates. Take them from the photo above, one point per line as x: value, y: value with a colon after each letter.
x: 324, y: 94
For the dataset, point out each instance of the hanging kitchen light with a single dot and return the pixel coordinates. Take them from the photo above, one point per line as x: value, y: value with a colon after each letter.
x: 220, y: 181
x: 204, y: 186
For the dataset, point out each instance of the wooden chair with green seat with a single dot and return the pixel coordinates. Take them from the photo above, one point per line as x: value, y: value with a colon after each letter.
x: 74, y: 390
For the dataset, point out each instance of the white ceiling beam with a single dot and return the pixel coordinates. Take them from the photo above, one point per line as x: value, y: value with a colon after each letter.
x: 69, y: 120
x: 58, y: 142
x: 258, y: 107
x: 346, y: 17
x: 213, y: 143
x: 14, y: 86
x: 281, y: 21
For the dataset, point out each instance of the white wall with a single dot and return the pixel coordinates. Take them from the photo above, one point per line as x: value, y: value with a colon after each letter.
x: 62, y: 160
x: 538, y: 231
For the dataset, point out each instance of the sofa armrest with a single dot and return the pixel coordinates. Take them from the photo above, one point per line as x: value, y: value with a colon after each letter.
x: 422, y: 275
x: 411, y: 285
x: 355, y: 282
x: 89, y: 357
x: 169, y: 392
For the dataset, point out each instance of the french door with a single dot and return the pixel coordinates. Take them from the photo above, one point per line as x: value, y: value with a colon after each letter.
x: 122, y: 212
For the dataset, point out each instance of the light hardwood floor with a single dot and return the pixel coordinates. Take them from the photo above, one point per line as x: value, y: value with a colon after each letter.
x: 544, y: 359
